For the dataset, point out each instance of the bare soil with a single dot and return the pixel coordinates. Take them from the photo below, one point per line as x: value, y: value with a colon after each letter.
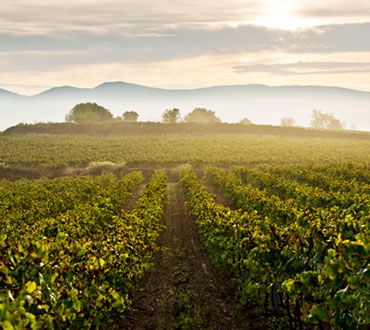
x: 183, y: 291
x: 220, y: 197
x: 130, y: 202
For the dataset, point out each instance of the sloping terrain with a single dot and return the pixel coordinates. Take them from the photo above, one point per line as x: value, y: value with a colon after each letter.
x: 262, y: 104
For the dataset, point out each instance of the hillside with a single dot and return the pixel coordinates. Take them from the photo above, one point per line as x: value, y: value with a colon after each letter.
x: 151, y: 128
x: 262, y: 104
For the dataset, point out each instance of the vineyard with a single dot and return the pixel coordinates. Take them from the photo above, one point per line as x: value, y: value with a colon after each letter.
x: 153, y: 241
x: 70, y: 253
x: 65, y: 150
x: 304, y: 248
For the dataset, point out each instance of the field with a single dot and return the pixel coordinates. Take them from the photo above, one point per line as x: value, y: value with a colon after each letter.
x: 236, y: 231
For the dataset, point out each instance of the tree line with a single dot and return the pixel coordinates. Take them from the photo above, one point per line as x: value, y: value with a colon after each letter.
x: 95, y: 113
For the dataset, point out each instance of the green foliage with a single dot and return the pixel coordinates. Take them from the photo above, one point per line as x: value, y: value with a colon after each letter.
x: 70, y: 254
x: 130, y: 116
x: 75, y: 268
x: 201, y: 115
x: 50, y: 150
x: 171, y: 116
x: 88, y: 113
x: 303, y: 245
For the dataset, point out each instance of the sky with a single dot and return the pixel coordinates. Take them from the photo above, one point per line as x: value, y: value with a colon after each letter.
x: 184, y: 43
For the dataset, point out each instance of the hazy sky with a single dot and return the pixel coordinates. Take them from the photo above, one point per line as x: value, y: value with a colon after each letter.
x: 184, y: 43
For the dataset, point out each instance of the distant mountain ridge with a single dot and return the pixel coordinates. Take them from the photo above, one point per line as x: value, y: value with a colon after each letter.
x: 261, y: 103
x: 6, y: 92
x: 126, y: 85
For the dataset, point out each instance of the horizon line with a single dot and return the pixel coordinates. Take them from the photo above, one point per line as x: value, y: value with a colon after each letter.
x: 179, y: 89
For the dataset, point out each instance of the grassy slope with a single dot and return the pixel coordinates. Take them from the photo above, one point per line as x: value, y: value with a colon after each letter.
x: 151, y: 128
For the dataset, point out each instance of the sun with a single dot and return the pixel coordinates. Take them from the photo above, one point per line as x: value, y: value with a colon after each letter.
x: 284, y: 16
x: 283, y: 22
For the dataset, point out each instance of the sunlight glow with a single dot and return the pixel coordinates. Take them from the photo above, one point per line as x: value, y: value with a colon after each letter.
x: 283, y: 22
x: 283, y: 16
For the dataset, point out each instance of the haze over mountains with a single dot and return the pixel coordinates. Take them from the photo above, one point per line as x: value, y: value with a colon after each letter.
x: 262, y: 104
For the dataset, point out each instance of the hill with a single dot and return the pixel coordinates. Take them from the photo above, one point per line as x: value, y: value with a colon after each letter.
x: 262, y: 104
x: 120, y: 128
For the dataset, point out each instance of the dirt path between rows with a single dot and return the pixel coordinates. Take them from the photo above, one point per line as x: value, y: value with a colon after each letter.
x: 182, y: 290
x: 131, y: 201
x: 220, y: 197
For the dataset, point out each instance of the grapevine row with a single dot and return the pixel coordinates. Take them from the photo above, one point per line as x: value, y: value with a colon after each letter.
x: 25, y: 201
x: 308, y: 269
x: 351, y: 202
x: 80, y: 268
x: 317, y: 178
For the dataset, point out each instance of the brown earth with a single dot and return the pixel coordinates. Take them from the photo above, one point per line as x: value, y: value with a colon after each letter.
x: 183, y: 291
x: 220, y: 197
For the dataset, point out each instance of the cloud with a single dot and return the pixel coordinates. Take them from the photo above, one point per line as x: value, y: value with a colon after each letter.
x: 146, y: 16
x: 41, y: 38
x: 336, y: 9
x: 332, y: 38
x: 44, y: 52
x: 129, y: 16
x: 358, y: 11
x: 306, y: 68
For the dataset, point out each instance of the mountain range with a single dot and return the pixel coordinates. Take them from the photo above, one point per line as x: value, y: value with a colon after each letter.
x: 260, y: 103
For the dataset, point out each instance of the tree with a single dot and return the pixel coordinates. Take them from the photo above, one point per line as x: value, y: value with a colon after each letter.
x: 171, y: 116
x: 88, y: 113
x: 323, y: 120
x: 287, y: 122
x: 246, y: 121
x: 201, y: 115
x: 130, y: 116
